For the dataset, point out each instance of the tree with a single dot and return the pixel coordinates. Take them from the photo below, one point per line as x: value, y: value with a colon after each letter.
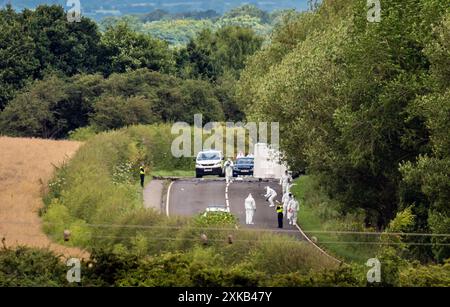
x: 225, y: 91
x: 190, y: 97
x: 34, y: 43
x: 82, y: 91
x: 425, y: 185
x: 341, y: 88
x: 17, y: 61
x: 36, y: 112
x: 117, y: 112
x: 211, y: 54
x: 71, y: 47
x: 125, y: 50
x: 248, y: 10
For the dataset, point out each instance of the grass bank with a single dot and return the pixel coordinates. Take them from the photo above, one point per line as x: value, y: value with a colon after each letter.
x: 319, y: 217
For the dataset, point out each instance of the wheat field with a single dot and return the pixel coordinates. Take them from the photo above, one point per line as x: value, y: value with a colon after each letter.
x: 26, y: 166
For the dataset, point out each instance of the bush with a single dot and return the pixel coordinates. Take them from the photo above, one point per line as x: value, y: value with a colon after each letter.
x: 117, y: 112
x: 216, y: 219
x: 198, y: 267
x: 346, y: 276
x: 281, y: 254
x: 426, y: 276
x: 319, y: 213
x: 82, y: 134
x: 24, y: 267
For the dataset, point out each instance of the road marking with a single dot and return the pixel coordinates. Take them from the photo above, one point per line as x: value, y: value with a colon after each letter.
x: 168, y: 198
x: 228, y: 208
x: 226, y: 197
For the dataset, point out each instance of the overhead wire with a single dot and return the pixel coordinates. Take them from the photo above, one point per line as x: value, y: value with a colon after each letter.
x: 235, y: 229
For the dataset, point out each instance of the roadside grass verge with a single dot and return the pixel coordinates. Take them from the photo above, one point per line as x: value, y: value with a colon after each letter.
x: 319, y: 217
x: 174, y: 173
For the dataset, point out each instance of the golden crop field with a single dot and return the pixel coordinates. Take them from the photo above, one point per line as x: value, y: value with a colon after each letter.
x: 26, y: 166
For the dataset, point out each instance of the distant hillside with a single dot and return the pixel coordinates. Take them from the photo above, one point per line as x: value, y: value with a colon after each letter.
x: 98, y: 9
x: 179, y: 28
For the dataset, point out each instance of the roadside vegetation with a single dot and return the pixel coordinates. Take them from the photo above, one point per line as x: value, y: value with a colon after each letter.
x: 363, y: 110
x: 319, y: 217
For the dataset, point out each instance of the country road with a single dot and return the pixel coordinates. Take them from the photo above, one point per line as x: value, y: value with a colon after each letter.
x: 189, y: 197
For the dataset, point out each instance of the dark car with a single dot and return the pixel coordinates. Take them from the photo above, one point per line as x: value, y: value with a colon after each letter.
x: 244, y: 167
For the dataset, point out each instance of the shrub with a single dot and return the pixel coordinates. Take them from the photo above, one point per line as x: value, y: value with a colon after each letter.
x: 281, y: 254
x: 82, y: 134
x: 215, y: 219
x: 24, y: 267
x: 426, y: 276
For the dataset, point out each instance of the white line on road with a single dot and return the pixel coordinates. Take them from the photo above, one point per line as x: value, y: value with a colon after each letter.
x: 226, y: 197
x: 168, y: 198
x: 228, y: 208
x: 310, y: 241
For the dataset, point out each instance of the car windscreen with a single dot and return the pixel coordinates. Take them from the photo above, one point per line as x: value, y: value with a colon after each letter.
x: 208, y: 156
x: 245, y: 161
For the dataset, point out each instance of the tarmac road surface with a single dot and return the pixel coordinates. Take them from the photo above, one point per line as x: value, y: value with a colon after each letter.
x: 189, y: 197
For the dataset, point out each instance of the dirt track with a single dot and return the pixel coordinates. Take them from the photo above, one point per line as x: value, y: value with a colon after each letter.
x: 26, y: 166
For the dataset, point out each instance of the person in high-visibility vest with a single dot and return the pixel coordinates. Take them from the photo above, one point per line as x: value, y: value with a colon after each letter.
x: 142, y: 174
x: 280, y: 214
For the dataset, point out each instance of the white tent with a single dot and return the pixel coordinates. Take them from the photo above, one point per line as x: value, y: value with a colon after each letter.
x: 267, y: 162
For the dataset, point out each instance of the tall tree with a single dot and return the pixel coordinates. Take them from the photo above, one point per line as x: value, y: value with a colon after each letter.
x: 17, y: 61
x: 211, y: 54
x: 342, y: 88
x: 126, y: 50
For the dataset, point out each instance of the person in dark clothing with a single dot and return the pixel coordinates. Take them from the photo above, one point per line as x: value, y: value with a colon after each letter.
x: 280, y: 214
x: 142, y: 174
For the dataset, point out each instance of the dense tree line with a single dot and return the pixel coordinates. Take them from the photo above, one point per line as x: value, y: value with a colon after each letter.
x: 57, y: 76
x: 364, y: 106
x: 56, y: 105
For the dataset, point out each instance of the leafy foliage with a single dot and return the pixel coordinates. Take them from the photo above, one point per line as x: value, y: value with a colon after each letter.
x: 216, y: 219
x: 200, y: 267
x: 43, y: 40
x: 365, y: 103
x: 127, y: 50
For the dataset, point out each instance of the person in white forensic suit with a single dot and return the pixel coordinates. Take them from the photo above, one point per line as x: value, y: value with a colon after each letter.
x: 229, y: 171
x: 270, y: 196
x: 285, y: 181
x: 293, y: 208
x: 250, y: 209
x: 285, y: 200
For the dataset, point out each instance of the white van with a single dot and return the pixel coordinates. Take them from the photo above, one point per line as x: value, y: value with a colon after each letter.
x: 209, y: 162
